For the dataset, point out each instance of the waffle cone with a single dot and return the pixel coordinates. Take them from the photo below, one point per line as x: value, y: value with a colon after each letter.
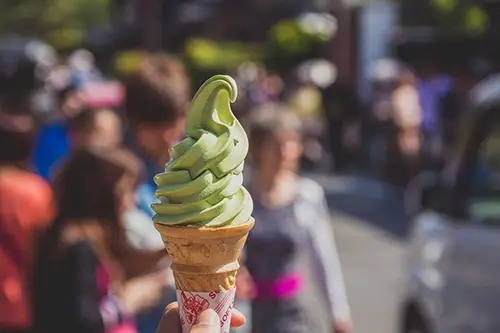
x: 205, y: 259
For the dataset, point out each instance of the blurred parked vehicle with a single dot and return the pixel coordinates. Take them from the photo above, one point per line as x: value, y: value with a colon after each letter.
x: 453, y: 273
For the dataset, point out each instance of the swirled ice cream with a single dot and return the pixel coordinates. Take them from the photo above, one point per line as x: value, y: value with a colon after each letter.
x: 203, y: 183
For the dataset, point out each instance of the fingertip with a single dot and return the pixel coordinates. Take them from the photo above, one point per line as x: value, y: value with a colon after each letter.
x: 237, y: 318
x: 174, y: 306
x: 208, y: 317
x: 170, y: 322
x: 237, y: 314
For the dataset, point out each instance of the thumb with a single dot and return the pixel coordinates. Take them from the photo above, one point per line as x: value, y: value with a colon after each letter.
x: 207, y: 322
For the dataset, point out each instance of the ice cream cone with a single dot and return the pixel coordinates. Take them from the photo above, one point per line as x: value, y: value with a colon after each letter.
x: 203, y: 185
x: 205, y: 259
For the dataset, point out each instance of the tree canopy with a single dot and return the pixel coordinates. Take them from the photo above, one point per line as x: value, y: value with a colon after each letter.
x: 39, y: 17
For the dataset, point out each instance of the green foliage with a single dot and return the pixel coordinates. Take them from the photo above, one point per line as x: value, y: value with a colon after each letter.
x: 204, y: 57
x: 446, y: 6
x: 206, y: 54
x: 288, y: 42
x: 288, y: 37
x: 291, y: 37
x: 475, y: 19
x: 39, y: 17
x: 455, y: 15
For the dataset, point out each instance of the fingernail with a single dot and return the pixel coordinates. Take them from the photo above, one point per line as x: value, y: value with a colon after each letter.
x: 208, y: 317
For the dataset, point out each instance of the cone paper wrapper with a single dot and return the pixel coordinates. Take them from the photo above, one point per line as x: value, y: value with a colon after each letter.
x: 191, y: 304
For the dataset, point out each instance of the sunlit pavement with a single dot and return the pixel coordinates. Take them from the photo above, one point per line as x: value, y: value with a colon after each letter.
x: 369, y: 228
x: 372, y: 267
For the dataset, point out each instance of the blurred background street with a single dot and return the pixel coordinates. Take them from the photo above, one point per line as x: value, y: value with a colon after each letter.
x: 379, y: 118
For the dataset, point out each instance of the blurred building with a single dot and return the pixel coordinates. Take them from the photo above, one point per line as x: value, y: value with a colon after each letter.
x: 167, y: 23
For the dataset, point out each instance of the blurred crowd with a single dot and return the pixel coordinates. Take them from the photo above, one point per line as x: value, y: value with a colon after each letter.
x: 416, y: 114
x: 78, y: 250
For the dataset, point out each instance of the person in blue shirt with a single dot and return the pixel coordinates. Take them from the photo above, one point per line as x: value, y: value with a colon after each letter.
x: 157, y: 97
x: 53, y: 144
x: 156, y: 101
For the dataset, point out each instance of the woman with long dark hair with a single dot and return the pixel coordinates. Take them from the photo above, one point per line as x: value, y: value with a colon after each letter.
x: 81, y: 274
